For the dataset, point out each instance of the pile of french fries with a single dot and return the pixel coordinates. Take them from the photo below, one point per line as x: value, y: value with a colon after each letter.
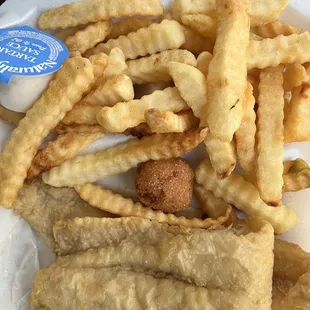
x: 239, y: 84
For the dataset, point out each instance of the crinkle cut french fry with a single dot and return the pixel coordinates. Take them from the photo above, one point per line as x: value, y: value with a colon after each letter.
x: 195, y: 42
x: 294, y: 76
x: 114, y: 90
x: 82, y: 114
x: 90, y: 129
x: 166, y: 121
x: 79, y: 13
x: 87, y: 38
x: 222, y: 155
x: 154, y: 68
x: 99, y: 63
x: 203, y: 62
x: 227, y: 77
x: 280, y: 50
x: 245, y: 135
x: 104, y: 199
x: 130, y: 114
x: 56, y: 152
x: 63, y: 34
x: 191, y: 84
x: 270, y: 144
x: 204, y: 24
x: 156, y: 38
x: 131, y: 24
x: 97, y: 166
x: 244, y: 196
x: 68, y: 86
x: 275, y: 29
x: 10, y: 117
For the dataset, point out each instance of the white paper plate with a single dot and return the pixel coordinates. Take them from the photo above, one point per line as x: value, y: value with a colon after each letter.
x: 22, y: 253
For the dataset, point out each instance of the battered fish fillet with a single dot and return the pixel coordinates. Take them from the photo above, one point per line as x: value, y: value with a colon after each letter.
x: 43, y: 205
x: 219, y: 260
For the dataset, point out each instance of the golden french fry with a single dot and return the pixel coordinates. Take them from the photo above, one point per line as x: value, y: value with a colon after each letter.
x: 195, y: 42
x: 244, y: 196
x: 10, y: 117
x: 166, y: 121
x: 99, y: 63
x: 82, y: 114
x: 87, y: 38
x: 58, y: 151
x: 294, y: 76
x: 270, y: 148
x: 154, y: 68
x: 191, y: 84
x: 104, y: 199
x: 68, y: 86
x: 156, y: 38
x: 275, y: 29
x: 139, y: 131
x: 90, y: 129
x: 203, y: 62
x: 212, y: 206
x: 130, y: 114
x: 63, y: 34
x: 280, y: 50
x: 131, y: 24
x: 222, y: 155
x: 114, y: 90
x: 71, y: 15
x: 227, y: 78
x: 245, y: 135
x: 121, y: 158
x: 204, y: 24
x: 297, y: 176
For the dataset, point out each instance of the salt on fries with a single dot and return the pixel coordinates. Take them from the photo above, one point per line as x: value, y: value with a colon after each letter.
x: 74, y: 14
x: 227, y: 77
x: 167, y: 35
x: 154, y: 68
x: 94, y: 167
x: 87, y: 38
x: 130, y: 114
x: 244, y: 196
x: 56, y: 152
x: 106, y: 200
x: 167, y: 121
x: 82, y: 114
x: 270, y: 148
x: 73, y: 79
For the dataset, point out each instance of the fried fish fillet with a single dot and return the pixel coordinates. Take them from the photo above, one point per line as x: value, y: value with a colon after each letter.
x: 43, y: 205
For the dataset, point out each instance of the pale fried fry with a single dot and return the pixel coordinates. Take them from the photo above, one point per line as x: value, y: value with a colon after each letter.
x: 71, y: 15
x: 245, y: 135
x: 280, y: 50
x: 68, y: 86
x: 87, y: 38
x: 131, y: 24
x: 156, y: 38
x: 114, y: 90
x: 130, y: 114
x: 270, y: 148
x: 222, y: 155
x: 204, y: 24
x: 155, y: 67
x: 275, y: 29
x: 90, y: 129
x: 106, y: 200
x: 10, y: 117
x: 195, y: 42
x: 227, y: 78
x: 99, y: 63
x: 166, y: 121
x: 294, y: 76
x: 93, y: 167
x: 192, y: 86
x: 58, y: 151
x: 244, y: 196
x: 63, y: 34
x: 82, y: 114
x: 203, y: 62
x: 211, y: 205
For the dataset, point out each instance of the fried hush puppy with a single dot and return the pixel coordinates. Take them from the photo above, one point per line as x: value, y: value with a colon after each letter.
x: 165, y: 185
